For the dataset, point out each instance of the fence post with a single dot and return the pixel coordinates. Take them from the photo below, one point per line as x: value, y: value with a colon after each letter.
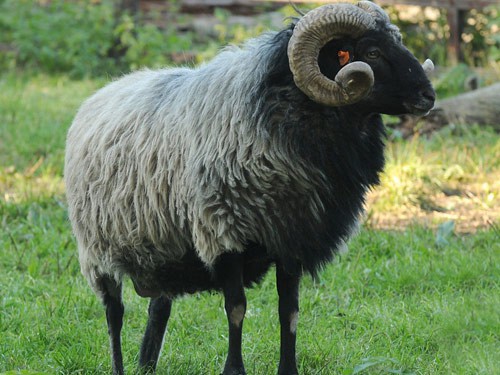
x: 456, y: 22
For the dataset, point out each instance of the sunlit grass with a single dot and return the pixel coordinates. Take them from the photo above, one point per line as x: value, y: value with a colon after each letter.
x: 447, y: 177
x: 17, y: 187
x: 35, y: 113
x: 418, y: 166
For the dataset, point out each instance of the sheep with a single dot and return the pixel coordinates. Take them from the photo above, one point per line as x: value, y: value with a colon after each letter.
x: 187, y: 180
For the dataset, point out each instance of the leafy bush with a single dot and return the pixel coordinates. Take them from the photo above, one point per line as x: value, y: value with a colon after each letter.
x: 59, y: 36
x: 89, y: 38
x: 482, y: 36
x: 147, y: 45
x: 452, y: 81
x: 427, y: 33
x: 82, y: 38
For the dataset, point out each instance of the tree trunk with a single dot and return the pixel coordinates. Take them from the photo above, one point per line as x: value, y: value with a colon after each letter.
x: 130, y: 6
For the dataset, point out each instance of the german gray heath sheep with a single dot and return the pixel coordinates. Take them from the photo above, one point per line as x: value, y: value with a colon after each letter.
x: 187, y: 180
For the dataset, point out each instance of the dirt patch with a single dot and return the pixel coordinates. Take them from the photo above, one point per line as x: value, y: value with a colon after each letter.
x: 471, y: 208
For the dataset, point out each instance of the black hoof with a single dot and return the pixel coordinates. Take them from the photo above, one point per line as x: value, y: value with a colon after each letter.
x: 234, y: 371
x: 288, y: 372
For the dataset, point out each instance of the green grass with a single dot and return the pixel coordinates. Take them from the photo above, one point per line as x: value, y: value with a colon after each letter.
x: 398, y: 300
x: 411, y: 302
x: 35, y: 113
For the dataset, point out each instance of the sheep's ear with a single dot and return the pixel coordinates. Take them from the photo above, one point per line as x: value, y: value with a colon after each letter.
x: 344, y: 57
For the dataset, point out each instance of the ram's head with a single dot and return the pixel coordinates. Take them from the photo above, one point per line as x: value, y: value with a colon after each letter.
x: 344, y: 54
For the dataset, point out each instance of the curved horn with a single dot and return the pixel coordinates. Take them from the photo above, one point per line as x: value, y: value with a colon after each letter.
x: 311, y: 33
x: 374, y: 10
x: 379, y: 14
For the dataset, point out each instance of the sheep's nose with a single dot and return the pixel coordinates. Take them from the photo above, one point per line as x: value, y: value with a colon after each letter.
x: 429, y: 95
x: 423, y: 102
x: 427, y: 99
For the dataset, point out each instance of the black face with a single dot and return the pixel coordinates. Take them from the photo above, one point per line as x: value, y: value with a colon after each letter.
x: 401, y: 85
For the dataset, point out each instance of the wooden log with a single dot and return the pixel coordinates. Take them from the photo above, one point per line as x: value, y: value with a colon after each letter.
x: 480, y: 107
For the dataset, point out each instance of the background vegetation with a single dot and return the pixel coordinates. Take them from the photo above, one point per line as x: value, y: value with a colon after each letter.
x: 88, y: 37
x: 422, y: 299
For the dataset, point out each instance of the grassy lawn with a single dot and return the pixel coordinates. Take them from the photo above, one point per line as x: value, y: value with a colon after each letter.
x: 423, y: 300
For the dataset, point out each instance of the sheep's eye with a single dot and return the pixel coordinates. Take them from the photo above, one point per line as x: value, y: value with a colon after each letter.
x: 373, y: 54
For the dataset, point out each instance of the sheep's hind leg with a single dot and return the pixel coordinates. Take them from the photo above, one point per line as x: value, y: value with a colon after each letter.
x: 229, y: 272
x: 159, y: 312
x: 111, y: 294
x: 288, y: 290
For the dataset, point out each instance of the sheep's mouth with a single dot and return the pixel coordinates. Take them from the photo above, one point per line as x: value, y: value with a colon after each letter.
x: 419, y: 109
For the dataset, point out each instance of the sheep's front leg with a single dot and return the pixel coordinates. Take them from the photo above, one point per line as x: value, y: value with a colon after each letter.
x: 230, y: 274
x: 288, y: 291
x: 159, y: 312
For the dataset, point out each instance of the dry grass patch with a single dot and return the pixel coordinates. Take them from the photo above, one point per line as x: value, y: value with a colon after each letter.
x: 451, y: 177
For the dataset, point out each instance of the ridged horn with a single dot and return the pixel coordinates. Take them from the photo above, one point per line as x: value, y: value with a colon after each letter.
x: 380, y: 15
x: 374, y: 10
x: 312, y: 32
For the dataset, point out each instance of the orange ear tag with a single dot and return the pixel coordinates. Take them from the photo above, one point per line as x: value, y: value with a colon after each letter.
x: 343, y: 57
